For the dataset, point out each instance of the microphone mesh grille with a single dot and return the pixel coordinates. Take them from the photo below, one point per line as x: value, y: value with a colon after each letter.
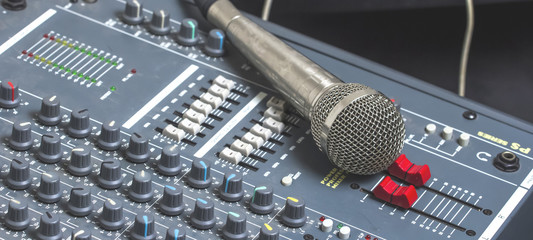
x: 366, y: 136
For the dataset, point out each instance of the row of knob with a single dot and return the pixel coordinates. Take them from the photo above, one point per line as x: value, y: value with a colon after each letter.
x: 160, y: 25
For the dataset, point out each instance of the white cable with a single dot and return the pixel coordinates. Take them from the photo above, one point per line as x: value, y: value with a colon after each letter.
x: 466, y: 46
x: 267, y: 5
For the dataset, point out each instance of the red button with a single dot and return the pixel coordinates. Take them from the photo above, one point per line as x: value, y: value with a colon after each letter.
x: 387, y: 190
x: 404, y: 169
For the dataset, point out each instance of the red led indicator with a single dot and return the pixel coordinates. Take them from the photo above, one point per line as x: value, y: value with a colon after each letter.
x: 134, y: 71
x: 52, y: 38
x: 30, y: 54
x: 12, y: 91
x: 45, y: 35
x: 368, y: 237
x: 392, y: 100
x: 24, y: 52
x: 322, y: 218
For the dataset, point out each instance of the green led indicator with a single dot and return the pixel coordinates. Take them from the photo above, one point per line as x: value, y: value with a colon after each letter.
x: 61, y: 67
x: 93, y: 80
x: 113, y: 88
x: 82, y: 50
x: 339, y: 226
x: 108, y: 61
x: 89, y: 53
x: 68, y: 70
x: 86, y: 78
x: 115, y: 63
x: 74, y: 72
x: 80, y: 75
x: 95, y: 56
x: 76, y: 48
x: 102, y: 58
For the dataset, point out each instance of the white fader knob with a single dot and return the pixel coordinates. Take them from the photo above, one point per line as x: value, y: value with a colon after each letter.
x: 327, y: 225
x: 464, y: 139
x: 344, y: 232
x: 447, y: 133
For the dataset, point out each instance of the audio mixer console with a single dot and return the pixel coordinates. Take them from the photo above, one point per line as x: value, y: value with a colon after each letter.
x: 122, y: 121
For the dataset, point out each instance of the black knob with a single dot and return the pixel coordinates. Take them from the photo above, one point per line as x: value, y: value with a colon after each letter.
x: 109, y: 138
x: 172, y: 202
x: 294, y: 213
x: 112, y: 216
x: 133, y: 14
x: 80, y: 204
x: 49, y: 191
x: 138, y: 149
x: 17, y: 218
x: 79, y: 126
x: 160, y: 24
x: 21, y: 139
x: 49, y: 227
x: 169, y: 164
x: 143, y: 228
x: 267, y: 232
x: 50, y: 111
x: 203, y: 216
x: 18, y: 177
x: 80, y: 161
x: 141, y: 187
x: 231, y: 188
x: 110, y: 176
x: 261, y: 202
x: 235, y: 228
x: 50, y: 149
x: 9, y: 92
x: 188, y: 34
x: 176, y: 234
x: 215, y: 43
x: 81, y: 234
x: 14, y: 5
x: 200, y: 174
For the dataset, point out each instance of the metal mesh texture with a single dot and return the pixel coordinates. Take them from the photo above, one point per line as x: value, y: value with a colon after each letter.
x: 367, y: 135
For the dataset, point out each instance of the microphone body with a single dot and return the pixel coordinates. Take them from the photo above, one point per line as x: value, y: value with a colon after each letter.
x: 357, y: 127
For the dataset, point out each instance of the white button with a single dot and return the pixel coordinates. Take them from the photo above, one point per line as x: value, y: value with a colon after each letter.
x: 464, y: 139
x: 430, y: 128
x: 230, y: 155
x: 218, y: 91
x: 173, y: 132
x: 274, y: 113
x: 201, y: 107
x: 277, y: 103
x: 273, y: 125
x: 447, y: 133
x: 194, y: 116
x: 224, y: 82
x: 262, y: 132
x: 252, y: 139
x: 327, y: 225
x: 244, y: 148
x: 286, y: 181
x: 212, y: 100
x: 344, y: 232
x: 189, y: 127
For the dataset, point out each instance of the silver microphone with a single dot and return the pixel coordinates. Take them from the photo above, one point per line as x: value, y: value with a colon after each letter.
x: 358, y: 128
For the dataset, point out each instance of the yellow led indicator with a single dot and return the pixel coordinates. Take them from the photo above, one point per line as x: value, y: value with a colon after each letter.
x: 292, y: 199
x: 64, y: 43
x: 268, y: 227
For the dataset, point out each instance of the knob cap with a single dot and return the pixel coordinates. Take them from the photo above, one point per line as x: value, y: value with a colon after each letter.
x: 172, y: 202
x: 141, y: 187
x: 268, y: 232
x: 109, y: 138
x: 169, y: 164
x: 110, y: 176
x: 80, y: 204
x: 235, y: 228
x: 261, y: 202
x: 78, y: 126
x: 133, y: 14
x: 160, y: 24
x: 17, y: 218
x: 9, y: 94
x: 200, y: 174
x: 112, y: 217
x: 214, y: 46
x: 231, y: 188
x: 143, y: 228
x: 80, y: 161
x: 81, y: 234
x: 21, y: 139
x: 18, y: 177
x: 176, y: 234
x: 50, y: 149
x: 203, y: 216
x: 49, y: 227
x: 188, y: 34
x: 50, y: 111
x: 49, y: 191
x: 294, y: 214
x: 138, y: 149
x: 14, y: 5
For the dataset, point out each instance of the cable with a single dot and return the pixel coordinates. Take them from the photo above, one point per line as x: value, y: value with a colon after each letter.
x: 466, y: 46
x: 267, y: 5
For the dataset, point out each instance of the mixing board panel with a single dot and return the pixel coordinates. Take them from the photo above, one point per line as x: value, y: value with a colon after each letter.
x: 113, y: 132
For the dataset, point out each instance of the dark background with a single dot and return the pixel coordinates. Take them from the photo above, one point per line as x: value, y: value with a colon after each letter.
x: 424, y: 39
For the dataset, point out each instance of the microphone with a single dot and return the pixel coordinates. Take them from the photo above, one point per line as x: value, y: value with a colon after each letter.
x: 357, y: 127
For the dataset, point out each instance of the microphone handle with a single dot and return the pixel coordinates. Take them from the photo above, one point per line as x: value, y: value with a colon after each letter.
x: 300, y: 80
